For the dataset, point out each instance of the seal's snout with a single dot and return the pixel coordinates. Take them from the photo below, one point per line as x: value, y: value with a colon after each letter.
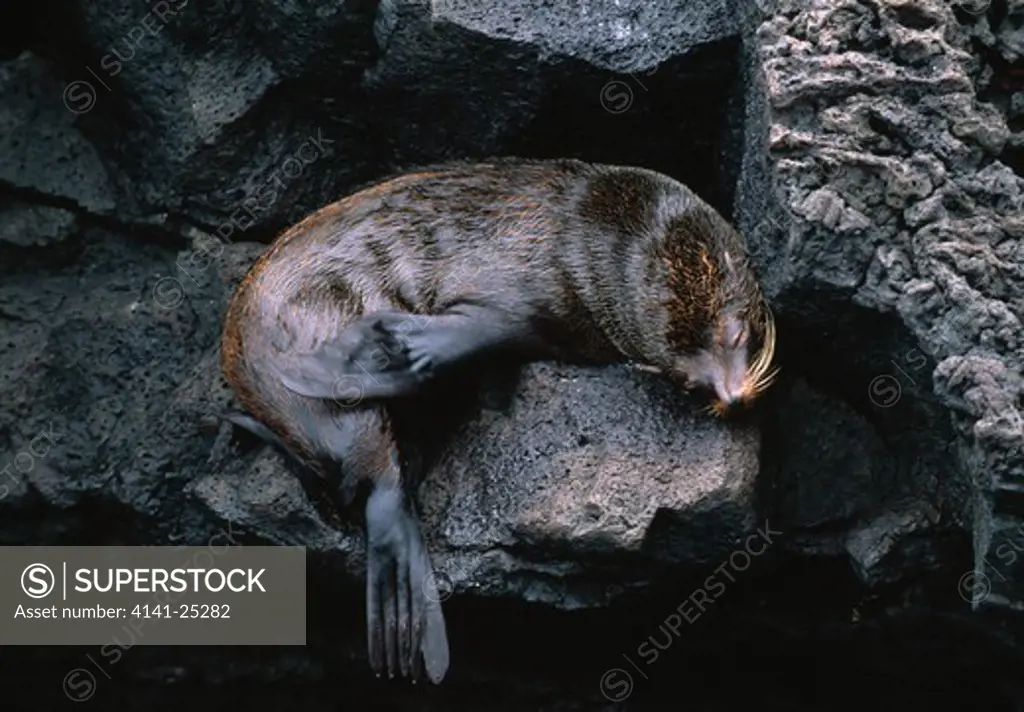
x: 725, y: 374
x: 730, y: 384
x: 739, y: 373
x: 731, y: 398
x: 730, y: 368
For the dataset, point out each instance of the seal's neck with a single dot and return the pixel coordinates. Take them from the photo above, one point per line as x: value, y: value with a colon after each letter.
x: 620, y: 290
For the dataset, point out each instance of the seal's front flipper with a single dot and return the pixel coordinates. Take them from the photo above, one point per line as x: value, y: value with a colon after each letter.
x: 404, y: 627
x: 363, y: 362
x: 436, y: 343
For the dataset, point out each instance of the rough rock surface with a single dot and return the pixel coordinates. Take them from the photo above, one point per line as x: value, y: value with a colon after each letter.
x: 872, y: 152
x: 889, y: 169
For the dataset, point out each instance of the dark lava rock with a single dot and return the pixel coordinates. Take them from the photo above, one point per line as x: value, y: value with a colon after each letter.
x: 601, y: 538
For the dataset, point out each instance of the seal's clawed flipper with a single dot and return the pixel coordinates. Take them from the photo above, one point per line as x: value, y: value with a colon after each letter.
x: 392, y: 354
x: 405, y: 625
x: 365, y: 361
x: 432, y: 344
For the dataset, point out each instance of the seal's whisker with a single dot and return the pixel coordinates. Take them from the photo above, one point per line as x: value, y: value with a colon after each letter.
x: 761, y: 374
x: 766, y: 380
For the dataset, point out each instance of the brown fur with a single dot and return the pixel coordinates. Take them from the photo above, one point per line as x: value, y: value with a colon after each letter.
x: 602, y: 263
x: 550, y: 259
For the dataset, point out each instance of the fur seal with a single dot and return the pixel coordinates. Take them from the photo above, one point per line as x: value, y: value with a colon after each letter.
x: 369, y: 298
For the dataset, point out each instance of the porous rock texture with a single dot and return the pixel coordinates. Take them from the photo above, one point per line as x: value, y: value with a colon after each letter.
x: 870, y: 150
x: 903, y: 204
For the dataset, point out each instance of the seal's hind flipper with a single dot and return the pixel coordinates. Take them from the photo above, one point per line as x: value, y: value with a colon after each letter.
x: 251, y: 425
x: 367, y: 360
x: 405, y: 625
x: 434, y: 648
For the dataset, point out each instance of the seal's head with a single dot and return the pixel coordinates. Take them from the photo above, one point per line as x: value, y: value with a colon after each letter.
x: 719, y: 331
x: 736, y: 361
